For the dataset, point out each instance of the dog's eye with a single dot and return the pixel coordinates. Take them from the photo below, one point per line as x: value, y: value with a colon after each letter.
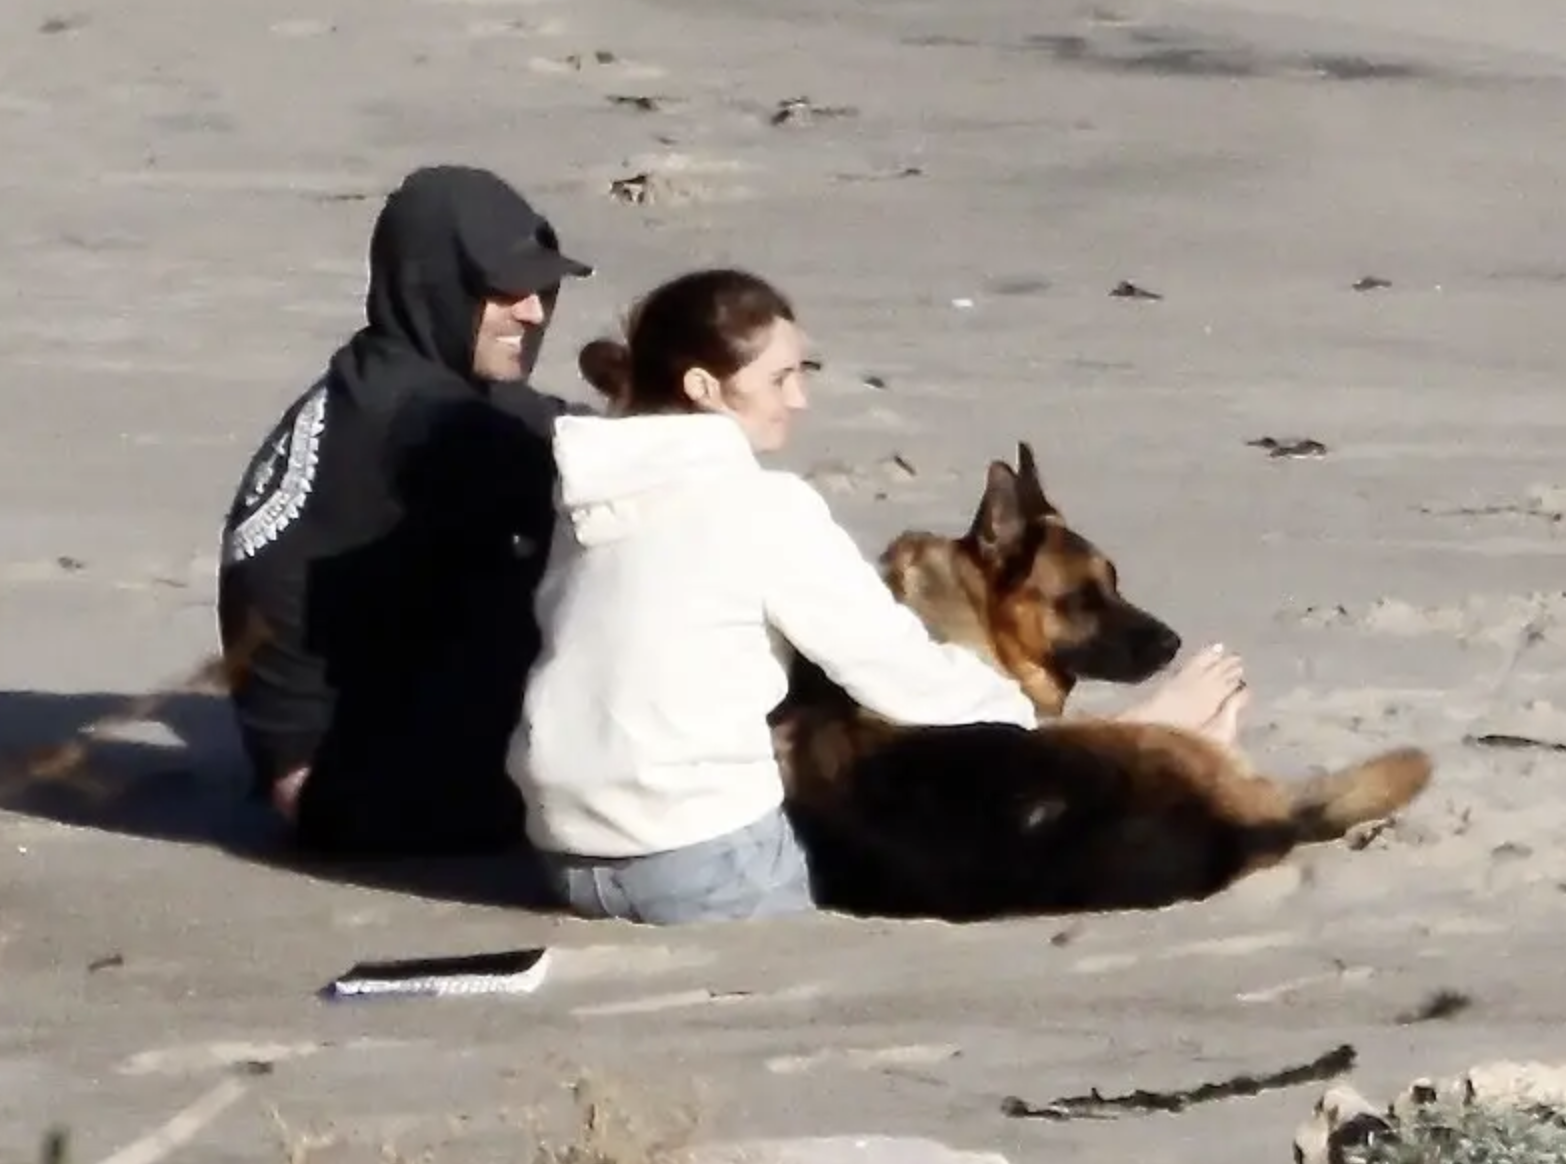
x: 1080, y: 602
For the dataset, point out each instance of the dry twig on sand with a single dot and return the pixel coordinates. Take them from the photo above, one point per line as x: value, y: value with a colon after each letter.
x: 1096, y: 1105
x: 608, y: 1130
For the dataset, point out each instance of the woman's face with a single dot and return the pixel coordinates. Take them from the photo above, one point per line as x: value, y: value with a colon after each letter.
x: 764, y: 395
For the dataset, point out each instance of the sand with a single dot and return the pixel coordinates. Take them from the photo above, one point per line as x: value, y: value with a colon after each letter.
x: 188, y: 190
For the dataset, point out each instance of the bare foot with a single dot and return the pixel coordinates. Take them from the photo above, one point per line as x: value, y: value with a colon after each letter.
x: 1206, y: 695
x: 1225, y: 726
x: 285, y: 794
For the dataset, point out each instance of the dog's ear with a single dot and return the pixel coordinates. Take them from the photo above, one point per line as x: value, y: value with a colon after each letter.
x: 1030, y: 489
x: 1000, y: 524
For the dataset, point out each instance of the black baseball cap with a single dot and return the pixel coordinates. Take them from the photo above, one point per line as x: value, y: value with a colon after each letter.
x: 504, y: 242
x: 529, y: 263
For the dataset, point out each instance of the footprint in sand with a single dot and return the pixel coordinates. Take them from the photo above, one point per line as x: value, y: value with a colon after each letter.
x: 56, y: 25
x: 802, y: 111
x: 193, y: 121
x: 1503, y: 620
x: 597, y: 63
x: 197, y: 1057
x: 45, y: 571
x: 1105, y: 963
x: 293, y: 184
x: 673, y: 179
x: 865, y: 1058
x: 15, y: 103
x: 513, y: 27
x: 591, y: 963
x: 1235, y: 947
x: 1463, y: 927
x: 1537, y: 725
x: 856, y: 1149
x: 194, y: 1058
x: 68, y: 568
x: 644, y: 102
x: 685, y: 999
x: 1271, y: 888
x: 1016, y: 286
x: 1339, y: 976
x: 299, y: 29
x: 1539, y: 504
x: 1513, y: 867
x: 879, y: 479
x: 884, y: 419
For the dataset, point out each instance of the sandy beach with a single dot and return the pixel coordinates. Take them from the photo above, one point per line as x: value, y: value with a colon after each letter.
x: 1356, y: 226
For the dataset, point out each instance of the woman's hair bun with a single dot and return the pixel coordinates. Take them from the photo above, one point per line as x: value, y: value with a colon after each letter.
x: 606, y: 365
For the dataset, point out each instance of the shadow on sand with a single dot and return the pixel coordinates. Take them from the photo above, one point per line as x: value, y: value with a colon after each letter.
x: 180, y: 777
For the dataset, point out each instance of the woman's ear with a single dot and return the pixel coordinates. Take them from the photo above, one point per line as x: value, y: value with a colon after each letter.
x: 703, y: 389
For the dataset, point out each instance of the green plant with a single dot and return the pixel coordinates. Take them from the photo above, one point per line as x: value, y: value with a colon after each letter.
x: 1452, y: 1132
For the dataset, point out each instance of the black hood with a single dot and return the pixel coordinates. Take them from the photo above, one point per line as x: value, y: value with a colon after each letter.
x: 446, y: 238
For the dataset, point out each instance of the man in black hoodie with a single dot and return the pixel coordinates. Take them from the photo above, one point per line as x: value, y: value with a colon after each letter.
x: 380, y: 555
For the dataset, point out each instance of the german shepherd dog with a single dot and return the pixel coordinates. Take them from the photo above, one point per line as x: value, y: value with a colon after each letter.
x: 990, y: 820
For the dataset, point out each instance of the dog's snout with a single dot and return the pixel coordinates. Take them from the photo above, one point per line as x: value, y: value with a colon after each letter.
x: 1164, y: 642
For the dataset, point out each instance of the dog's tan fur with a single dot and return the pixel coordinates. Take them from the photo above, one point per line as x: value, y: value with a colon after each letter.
x: 1022, y: 629
x: 987, y: 820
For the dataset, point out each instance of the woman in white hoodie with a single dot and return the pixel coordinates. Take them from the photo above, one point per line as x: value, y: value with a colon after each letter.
x: 681, y: 577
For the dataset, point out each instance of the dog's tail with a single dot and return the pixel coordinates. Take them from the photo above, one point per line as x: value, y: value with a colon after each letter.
x: 1325, y: 807
x: 65, y: 759
x: 217, y: 674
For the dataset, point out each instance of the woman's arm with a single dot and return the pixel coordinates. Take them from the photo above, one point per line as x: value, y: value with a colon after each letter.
x: 827, y: 599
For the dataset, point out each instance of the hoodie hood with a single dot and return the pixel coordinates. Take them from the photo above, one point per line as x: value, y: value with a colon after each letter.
x: 446, y: 238
x: 613, y: 470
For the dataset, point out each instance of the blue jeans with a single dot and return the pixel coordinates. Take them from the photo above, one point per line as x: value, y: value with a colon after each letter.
x: 757, y: 871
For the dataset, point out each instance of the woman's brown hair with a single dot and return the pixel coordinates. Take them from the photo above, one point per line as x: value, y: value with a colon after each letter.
x: 715, y: 319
